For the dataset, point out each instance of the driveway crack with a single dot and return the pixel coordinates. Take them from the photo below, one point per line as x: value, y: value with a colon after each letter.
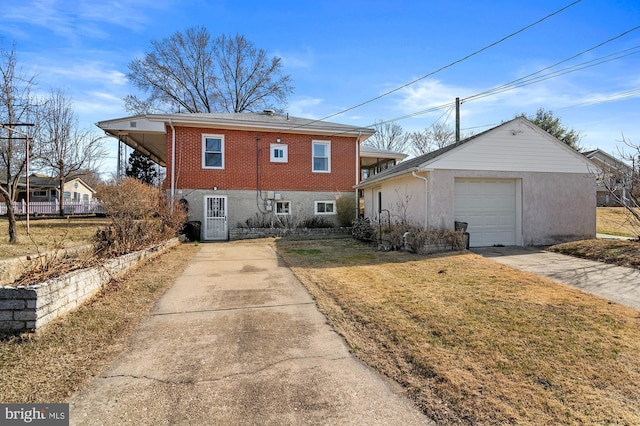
x: 191, y: 381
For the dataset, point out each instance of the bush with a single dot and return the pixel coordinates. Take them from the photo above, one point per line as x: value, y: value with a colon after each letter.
x: 315, y: 222
x: 141, y: 215
x: 345, y: 210
x: 362, y: 230
x: 416, y: 241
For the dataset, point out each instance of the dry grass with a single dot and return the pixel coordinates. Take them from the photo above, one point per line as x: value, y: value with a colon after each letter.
x: 51, y: 364
x: 616, y: 221
x: 475, y: 342
x: 616, y: 252
x: 48, y: 234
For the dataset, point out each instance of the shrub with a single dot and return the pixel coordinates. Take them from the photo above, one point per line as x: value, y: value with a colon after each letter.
x: 345, y: 210
x: 141, y: 215
x: 362, y: 230
x: 315, y: 222
x: 416, y: 241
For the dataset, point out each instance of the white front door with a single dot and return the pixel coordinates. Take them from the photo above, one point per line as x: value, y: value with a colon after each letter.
x: 215, y: 217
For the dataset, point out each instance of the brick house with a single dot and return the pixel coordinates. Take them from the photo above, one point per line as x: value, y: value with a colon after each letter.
x: 239, y: 170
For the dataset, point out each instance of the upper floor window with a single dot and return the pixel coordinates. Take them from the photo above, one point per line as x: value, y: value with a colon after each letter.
x: 322, y: 156
x: 213, y: 151
x: 279, y: 153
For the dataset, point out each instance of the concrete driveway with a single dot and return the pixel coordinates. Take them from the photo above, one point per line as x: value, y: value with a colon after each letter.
x: 238, y: 340
x: 615, y: 283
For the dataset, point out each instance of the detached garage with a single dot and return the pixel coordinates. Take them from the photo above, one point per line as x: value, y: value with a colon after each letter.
x: 514, y: 185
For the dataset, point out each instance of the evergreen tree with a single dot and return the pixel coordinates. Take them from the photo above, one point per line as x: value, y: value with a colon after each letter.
x: 552, y: 125
x: 142, y: 168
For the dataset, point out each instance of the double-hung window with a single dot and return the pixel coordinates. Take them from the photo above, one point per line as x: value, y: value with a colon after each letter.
x: 322, y: 156
x: 213, y: 151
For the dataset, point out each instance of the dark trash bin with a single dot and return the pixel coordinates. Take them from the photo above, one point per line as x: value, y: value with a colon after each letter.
x: 462, y: 226
x: 192, y: 230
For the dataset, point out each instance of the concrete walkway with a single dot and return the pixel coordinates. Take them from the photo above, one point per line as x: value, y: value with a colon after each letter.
x: 238, y: 340
x: 615, y: 283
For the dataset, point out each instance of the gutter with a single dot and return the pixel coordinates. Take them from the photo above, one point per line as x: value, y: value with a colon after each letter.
x: 173, y: 162
x: 375, y: 178
x: 358, y: 174
x: 426, y: 198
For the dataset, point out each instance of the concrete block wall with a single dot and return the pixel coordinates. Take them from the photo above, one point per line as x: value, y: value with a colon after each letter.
x: 250, y: 233
x: 25, y: 308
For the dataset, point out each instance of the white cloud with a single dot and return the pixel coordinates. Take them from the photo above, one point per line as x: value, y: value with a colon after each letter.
x: 302, y: 107
x: 87, y: 72
x: 296, y: 60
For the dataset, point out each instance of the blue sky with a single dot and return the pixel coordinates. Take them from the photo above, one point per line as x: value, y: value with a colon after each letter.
x: 343, y: 53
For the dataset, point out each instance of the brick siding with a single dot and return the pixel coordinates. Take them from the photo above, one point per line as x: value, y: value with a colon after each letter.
x: 246, y: 161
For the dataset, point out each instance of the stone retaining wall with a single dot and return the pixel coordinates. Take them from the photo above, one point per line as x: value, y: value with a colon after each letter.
x: 25, y: 308
x: 12, y: 268
x: 248, y: 233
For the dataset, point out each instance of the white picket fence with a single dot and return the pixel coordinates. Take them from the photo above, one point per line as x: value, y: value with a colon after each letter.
x: 53, y: 207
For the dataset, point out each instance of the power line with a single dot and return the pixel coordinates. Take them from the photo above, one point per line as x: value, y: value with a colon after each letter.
x: 444, y: 67
x: 583, y: 65
x: 524, y: 78
x: 609, y: 98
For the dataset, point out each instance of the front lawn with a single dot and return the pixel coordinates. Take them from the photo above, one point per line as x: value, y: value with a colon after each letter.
x: 475, y: 342
x: 48, y: 234
x: 616, y: 252
x: 616, y: 221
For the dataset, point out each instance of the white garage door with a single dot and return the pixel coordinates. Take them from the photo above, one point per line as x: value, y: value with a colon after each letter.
x: 489, y: 207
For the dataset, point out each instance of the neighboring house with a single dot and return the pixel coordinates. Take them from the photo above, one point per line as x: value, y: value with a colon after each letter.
x: 614, y: 178
x: 43, y: 188
x: 244, y: 169
x: 375, y: 160
x: 513, y: 184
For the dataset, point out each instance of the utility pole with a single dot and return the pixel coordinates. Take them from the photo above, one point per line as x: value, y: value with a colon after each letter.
x: 457, y: 121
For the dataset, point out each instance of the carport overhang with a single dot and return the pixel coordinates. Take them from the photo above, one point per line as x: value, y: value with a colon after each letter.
x: 140, y: 133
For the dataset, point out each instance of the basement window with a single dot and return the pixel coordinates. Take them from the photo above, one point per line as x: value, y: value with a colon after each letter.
x: 325, y: 207
x: 283, y: 207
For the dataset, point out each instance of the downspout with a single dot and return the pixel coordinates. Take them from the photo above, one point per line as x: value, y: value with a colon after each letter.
x: 173, y: 163
x: 426, y: 198
x: 358, y: 174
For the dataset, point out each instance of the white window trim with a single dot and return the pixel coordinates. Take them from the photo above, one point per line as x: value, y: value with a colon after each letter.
x: 285, y: 152
x: 325, y: 202
x: 204, y: 150
x: 288, y: 213
x: 328, y: 145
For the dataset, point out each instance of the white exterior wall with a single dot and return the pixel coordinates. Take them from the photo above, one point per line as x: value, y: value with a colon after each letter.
x: 403, y: 199
x: 81, y: 189
x: 555, y: 207
x: 556, y: 184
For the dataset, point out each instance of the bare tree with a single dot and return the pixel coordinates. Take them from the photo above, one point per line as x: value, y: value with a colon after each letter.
x: 16, y: 106
x: 191, y: 72
x: 389, y: 136
x: 432, y: 138
x: 64, y: 148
